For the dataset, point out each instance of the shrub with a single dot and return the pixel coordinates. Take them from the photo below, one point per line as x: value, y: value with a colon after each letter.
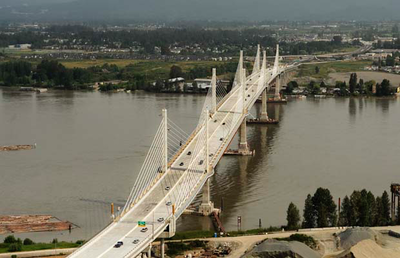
x: 15, y: 247
x: 80, y: 242
x: 28, y: 241
x: 308, y: 240
x: 10, y: 240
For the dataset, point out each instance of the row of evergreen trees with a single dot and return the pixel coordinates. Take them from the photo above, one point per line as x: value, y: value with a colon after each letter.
x: 47, y: 73
x: 360, y: 209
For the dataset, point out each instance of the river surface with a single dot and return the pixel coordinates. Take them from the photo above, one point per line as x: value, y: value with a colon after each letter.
x: 90, y: 147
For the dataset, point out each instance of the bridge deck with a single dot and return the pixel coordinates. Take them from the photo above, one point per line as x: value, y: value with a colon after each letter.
x: 153, y: 205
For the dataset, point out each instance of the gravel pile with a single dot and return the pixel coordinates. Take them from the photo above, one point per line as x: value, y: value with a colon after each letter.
x: 352, y: 236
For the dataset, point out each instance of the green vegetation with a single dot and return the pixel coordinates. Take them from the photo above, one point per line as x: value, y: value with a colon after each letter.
x: 307, y: 240
x: 320, y: 210
x: 208, y: 234
x: 11, y: 244
x: 363, y: 209
x: 137, y: 75
x: 193, y: 235
x: 331, y: 67
x: 176, y: 248
x: 258, y: 231
x: 360, y: 209
x: 293, y: 217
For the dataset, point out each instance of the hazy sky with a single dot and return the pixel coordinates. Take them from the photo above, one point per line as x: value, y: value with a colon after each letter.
x: 217, y: 9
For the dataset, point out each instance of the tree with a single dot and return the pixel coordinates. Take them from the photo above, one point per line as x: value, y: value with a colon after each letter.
x: 317, y: 70
x: 10, y: 239
x: 313, y: 87
x: 361, y: 88
x: 308, y: 213
x: 337, y: 39
x: 385, y: 88
x: 372, y: 208
x: 293, y: 217
x: 379, y: 212
x: 324, y: 208
x: 385, y: 212
x: 353, y: 82
x: 175, y: 72
x: 28, y: 241
x: 165, y: 50
x: 15, y: 247
x: 289, y: 88
x: 347, y: 213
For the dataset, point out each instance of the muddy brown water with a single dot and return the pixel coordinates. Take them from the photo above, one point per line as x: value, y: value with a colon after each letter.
x: 90, y: 147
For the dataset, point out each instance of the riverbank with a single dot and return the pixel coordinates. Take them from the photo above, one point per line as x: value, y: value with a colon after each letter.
x: 240, y: 246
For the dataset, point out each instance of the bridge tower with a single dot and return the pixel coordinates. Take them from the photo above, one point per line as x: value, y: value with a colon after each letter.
x: 256, y: 67
x: 262, y: 116
x: 214, y: 91
x: 276, y: 70
x: 243, y: 145
x: 264, y: 113
x: 207, y: 206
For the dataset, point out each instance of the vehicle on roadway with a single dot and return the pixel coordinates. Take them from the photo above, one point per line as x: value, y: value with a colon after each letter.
x: 168, y: 203
x: 167, y: 188
x: 143, y: 230
x: 136, y: 241
x: 160, y: 220
x: 118, y: 244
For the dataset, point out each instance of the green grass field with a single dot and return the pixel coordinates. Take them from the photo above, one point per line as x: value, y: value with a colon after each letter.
x: 100, y: 62
x: 40, y: 246
x: 331, y: 67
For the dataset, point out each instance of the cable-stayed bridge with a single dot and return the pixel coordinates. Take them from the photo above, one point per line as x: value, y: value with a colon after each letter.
x: 178, y: 165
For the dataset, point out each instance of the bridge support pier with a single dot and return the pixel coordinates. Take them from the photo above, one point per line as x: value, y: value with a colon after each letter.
x: 206, y: 206
x: 149, y: 251
x: 244, y: 149
x: 263, y: 115
x: 278, y: 88
x: 162, y: 248
x: 277, y: 96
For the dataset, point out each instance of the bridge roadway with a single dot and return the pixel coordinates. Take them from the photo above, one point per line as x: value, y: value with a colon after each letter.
x: 153, y: 205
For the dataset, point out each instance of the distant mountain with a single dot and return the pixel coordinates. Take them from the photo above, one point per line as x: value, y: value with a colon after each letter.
x: 218, y: 10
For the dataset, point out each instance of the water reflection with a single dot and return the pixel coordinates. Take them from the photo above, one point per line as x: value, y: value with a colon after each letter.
x: 352, y: 107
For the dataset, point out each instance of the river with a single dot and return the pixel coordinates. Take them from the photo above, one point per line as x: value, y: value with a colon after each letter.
x: 90, y: 147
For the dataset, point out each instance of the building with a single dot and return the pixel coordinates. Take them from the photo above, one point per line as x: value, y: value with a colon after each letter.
x: 20, y: 46
x: 178, y: 82
x: 205, y: 84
